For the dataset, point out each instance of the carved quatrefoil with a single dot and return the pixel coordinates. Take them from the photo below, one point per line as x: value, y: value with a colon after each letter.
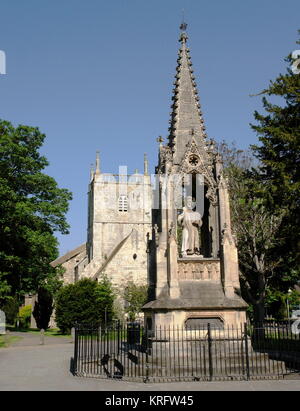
x: 194, y: 160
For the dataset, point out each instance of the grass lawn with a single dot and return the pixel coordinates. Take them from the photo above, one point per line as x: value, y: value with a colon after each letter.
x: 6, y: 340
x: 52, y: 332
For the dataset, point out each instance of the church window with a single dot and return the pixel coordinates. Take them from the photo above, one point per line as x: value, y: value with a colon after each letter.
x: 123, y: 203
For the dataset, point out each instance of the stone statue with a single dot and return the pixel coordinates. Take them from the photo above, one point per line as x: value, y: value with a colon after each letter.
x: 191, y: 222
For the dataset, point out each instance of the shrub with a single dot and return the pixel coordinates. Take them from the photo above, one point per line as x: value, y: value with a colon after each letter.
x: 84, y: 303
x: 25, y: 316
x: 11, y: 309
x: 135, y: 297
x: 105, y: 300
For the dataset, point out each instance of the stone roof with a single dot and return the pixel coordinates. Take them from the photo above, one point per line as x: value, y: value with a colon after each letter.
x: 195, y: 294
x: 111, y: 256
x: 71, y: 254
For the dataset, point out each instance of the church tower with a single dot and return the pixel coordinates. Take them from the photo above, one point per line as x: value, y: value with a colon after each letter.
x: 119, y: 218
x: 193, y: 269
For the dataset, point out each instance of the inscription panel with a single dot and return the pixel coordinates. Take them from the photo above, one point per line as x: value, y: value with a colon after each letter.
x: 201, y: 323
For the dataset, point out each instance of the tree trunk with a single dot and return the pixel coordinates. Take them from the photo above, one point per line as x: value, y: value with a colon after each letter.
x: 259, y: 312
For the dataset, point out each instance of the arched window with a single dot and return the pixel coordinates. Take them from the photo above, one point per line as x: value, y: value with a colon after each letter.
x: 123, y: 203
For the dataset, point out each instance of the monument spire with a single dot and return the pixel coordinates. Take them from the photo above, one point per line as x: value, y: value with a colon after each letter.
x: 186, y: 112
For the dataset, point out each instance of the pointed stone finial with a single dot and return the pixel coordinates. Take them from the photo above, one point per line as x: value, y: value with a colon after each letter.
x: 146, y: 165
x: 97, y: 162
x: 92, y: 172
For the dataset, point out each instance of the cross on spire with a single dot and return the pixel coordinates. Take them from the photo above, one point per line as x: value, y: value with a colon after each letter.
x: 183, y: 24
x: 183, y: 36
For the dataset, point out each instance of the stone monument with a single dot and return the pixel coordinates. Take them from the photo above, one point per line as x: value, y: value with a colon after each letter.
x: 193, y: 262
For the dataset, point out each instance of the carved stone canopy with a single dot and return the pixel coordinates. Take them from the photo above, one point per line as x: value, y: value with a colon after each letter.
x: 197, y: 161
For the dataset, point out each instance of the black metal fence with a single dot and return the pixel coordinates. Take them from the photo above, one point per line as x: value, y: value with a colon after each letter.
x: 171, y: 353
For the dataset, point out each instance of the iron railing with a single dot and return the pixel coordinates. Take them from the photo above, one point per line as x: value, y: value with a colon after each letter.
x: 132, y: 351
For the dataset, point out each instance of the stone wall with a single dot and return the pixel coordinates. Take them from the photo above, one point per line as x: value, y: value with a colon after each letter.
x: 71, y: 262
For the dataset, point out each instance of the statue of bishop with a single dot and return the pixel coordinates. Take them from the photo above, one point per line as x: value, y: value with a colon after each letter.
x: 190, y: 221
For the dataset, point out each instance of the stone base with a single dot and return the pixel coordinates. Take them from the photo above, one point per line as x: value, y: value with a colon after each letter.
x: 200, y: 318
x: 193, y: 358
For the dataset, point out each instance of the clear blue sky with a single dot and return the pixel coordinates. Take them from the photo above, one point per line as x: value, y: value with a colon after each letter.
x: 97, y: 75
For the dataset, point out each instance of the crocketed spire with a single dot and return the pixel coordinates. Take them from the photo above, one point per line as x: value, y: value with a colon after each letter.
x: 186, y: 117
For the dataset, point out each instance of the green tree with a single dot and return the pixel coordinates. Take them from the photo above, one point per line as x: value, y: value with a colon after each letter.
x: 5, y: 289
x: 105, y: 297
x: 25, y: 316
x: 256, y: 228
x: 257, y: 231
x: 265, y: 201
x: 135, y: 297
x: 32, y: 209
x: 43, y: 308
x: 84, y: 302
x: 11, y: 309
x: 278, y: 130
x: 278, y: 302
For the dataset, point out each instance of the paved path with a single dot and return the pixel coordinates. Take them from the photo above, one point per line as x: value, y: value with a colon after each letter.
x: 30, y: 366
